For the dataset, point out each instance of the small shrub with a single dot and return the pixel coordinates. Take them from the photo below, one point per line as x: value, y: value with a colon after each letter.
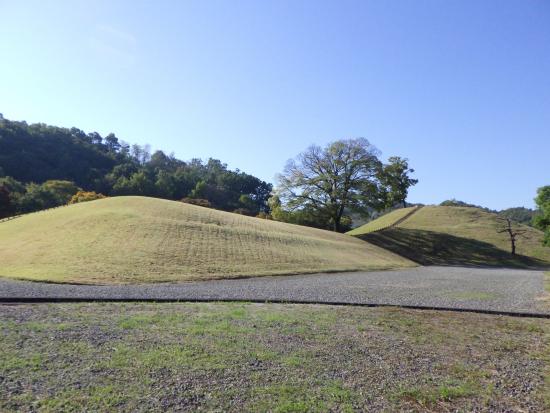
x: 243, y: 211
x: 83, y: 196
x: 197, y: 201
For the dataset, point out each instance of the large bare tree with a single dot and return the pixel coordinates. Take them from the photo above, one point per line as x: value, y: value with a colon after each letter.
x: 342, y: 176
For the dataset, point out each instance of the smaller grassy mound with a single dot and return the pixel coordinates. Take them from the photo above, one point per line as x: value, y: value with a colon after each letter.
x: 137, y: 239
x: 383, y: 222
x: 437, y: 235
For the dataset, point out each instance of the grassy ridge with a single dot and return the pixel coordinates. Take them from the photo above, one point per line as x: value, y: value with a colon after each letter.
x: 137, y: 239
x: 382, y: 222
x: 460, y: 236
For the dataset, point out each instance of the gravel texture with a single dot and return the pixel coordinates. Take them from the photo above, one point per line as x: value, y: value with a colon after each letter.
x: 506, y: 290
x: 249, y: 357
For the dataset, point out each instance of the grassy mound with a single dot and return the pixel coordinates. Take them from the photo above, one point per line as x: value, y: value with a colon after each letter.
x: 459, y: 236
x: 137, y: 239
x: 383, y: 222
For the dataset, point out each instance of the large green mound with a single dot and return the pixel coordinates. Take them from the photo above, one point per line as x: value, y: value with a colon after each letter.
x: 440, y: 235
x: 137, y: 239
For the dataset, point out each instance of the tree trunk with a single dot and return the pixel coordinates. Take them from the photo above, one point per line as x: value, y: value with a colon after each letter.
x: 513, y: 246
x: 336, y: 226
x: 338, y: 218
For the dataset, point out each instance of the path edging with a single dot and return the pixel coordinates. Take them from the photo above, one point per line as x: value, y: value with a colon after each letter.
x: 39, y: 300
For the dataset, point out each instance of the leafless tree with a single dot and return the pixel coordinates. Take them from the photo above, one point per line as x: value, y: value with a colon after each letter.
x: 508, y: 226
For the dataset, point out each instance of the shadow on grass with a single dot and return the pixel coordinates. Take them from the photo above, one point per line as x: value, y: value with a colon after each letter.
x: 435, y: 248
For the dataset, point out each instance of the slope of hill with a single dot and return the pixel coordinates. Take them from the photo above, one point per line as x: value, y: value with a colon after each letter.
x: 391, y: 218
x: 137, y: 239
x: 445, y: 235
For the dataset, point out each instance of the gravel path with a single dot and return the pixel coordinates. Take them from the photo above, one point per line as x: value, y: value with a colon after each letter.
x: 503, y: 290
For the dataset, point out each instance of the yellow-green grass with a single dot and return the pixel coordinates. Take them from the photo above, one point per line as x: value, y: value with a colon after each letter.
x: 138, y: 239
x: 461, y: 235
x: 383, y: 222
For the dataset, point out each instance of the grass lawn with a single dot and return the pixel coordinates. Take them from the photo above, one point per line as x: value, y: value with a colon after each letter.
x: 268, y: 357
x: 138, y: 239
x: 460, y: 236
x: 382, y: 222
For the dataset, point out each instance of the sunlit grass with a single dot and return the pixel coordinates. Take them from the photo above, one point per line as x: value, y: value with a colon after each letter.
x: 382, y: 222
x: 460, y: 236
x: 479, y: 225
x: 137, y: 239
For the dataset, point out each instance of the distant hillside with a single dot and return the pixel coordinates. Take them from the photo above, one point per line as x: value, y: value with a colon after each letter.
x: 38, y: 153
x: 448, y: 235
x: 138, y: 239
x: 520, y: 214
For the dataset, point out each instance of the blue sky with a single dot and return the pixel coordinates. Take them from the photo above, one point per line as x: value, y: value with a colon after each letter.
x: 461, y: 88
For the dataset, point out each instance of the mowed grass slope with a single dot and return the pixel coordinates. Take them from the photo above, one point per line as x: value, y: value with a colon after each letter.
x: 460, y: 236
x: 137, y: 239
x: 382, y: 222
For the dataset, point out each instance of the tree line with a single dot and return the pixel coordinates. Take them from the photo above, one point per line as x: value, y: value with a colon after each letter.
x: 43, y: 166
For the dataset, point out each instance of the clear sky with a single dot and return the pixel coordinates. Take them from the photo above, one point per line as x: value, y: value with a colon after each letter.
x: 461, y: 88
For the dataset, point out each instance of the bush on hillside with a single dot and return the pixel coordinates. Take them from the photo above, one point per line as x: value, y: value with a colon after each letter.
x: 264, y: 215
x: 197, y: 201
x: 83, y: 196
x: 243, y: 211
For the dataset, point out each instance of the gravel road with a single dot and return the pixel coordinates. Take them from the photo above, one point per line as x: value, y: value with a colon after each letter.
x: 504, y: 290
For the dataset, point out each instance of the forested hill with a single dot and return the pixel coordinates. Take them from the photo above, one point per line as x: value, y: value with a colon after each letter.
x: 31, y: 155
x: 39, y: 152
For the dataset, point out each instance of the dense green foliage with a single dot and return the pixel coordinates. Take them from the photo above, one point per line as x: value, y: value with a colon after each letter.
x: 23, y: 198
x: 322, y: 187
x: 31, y: 155
x: 542, y: 221
x: 6, y: 206
x: 520, y: 214
x: 395, y: 181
